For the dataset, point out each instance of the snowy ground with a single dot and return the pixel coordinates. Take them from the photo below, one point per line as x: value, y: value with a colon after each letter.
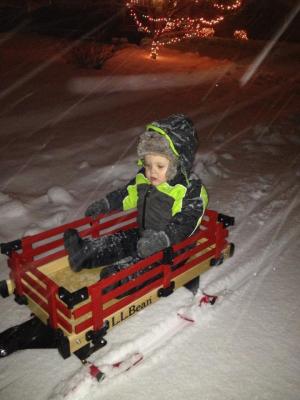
x: 68, y: 136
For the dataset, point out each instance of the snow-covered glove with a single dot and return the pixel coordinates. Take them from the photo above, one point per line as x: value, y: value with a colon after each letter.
x: 98, y: 207
x: 152, y: 242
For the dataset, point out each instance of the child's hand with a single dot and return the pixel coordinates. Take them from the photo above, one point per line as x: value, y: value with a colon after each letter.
x: 152, y: 242
x: 98, y: 207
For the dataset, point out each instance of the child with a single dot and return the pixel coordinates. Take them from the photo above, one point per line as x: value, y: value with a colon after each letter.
x: 170, y: 203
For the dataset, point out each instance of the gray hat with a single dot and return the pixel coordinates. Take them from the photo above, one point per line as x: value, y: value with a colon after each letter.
x: 153, y: 143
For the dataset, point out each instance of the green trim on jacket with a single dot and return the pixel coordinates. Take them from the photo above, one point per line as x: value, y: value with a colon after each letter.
x: 176, y: 192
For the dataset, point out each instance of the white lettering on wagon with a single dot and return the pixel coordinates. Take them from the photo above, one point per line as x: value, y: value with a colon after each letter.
x: 133, y: 309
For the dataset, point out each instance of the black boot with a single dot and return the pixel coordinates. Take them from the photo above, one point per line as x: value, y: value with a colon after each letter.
x: 78, y: 250
x: 89, y: 253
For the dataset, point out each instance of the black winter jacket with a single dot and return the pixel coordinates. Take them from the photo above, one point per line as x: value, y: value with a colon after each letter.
x: 175, y: 207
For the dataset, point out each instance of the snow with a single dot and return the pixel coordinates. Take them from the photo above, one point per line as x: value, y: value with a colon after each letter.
x: 68, y: 136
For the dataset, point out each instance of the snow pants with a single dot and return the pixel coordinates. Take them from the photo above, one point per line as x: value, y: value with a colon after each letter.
x: 118, y: 252
x: 113, y: 248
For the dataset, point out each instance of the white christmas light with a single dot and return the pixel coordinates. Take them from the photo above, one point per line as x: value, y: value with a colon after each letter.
x: 166, y: 28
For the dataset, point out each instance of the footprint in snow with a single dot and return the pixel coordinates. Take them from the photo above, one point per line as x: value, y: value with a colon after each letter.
x: 257, y: 194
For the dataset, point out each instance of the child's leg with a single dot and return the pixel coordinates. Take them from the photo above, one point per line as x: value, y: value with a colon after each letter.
x: 89, y: 253
x: 112, y: 248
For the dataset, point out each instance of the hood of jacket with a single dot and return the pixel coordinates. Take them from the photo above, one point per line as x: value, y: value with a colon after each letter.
x: 182, y: 138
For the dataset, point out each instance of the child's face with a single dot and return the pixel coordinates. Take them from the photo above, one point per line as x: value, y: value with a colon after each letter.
x: 156, y: 167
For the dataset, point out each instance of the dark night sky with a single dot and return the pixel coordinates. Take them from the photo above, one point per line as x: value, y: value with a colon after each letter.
x: 261, y: 18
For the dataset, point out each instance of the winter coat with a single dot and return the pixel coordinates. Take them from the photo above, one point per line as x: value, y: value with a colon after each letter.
x: 175, y: 207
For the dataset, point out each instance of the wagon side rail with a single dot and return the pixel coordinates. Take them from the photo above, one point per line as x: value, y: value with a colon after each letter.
x: 37, y: 247
x: 36, y: 250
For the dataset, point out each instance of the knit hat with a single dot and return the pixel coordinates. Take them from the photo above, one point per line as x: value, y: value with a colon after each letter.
x: 153, y: 143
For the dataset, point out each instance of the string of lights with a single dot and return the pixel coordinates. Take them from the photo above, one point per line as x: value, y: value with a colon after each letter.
x: 168, y: 22
x: 240, y: 35
x: 227, y: 7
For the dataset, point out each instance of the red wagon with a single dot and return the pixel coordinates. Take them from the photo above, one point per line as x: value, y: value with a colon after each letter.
x: 73, y: 311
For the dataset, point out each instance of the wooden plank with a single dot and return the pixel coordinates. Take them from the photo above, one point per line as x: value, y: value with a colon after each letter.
x: 132, y: 308
x: 38, y: 311
x: 60, y: 272
x: 10, y: 286
x: 54, y: 266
